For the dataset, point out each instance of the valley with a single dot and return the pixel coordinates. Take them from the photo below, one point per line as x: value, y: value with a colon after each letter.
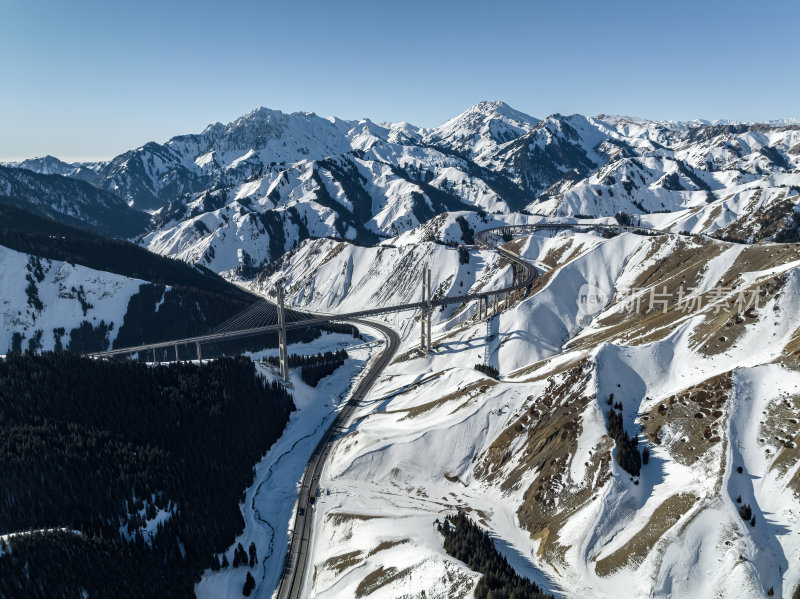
x: 612, y: 378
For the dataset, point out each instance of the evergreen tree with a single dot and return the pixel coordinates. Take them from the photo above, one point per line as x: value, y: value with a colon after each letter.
x: 465, y: 541
x: 314, y: 368
x: 628, y: 456
x: 92, y: 443
x: 249, y: 585
x: 488, y: 370
x: 237, y: 561
x: 746, y: 512
x: 253, y: 555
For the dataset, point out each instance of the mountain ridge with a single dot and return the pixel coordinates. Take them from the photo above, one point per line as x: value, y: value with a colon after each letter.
x: 249, y: 190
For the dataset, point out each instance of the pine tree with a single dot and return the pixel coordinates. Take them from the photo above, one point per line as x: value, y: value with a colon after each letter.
x: 253, y: 555
x: 249, y: 585
x: 239, y: 556
x: 746, y: 512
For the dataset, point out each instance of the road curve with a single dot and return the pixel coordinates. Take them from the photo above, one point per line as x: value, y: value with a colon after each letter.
x: 293, y: 576
x: 291, y: 582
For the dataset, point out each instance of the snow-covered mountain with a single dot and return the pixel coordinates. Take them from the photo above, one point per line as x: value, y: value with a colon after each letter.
x: 383, y: 180
x: 665, y: 167
x: 70, y: 201
x: 48, y: 165
x: 692, y: 349
x: 481, y: 129
x: 710, y: 390
x: 152, y: 175
x: 241, y: 194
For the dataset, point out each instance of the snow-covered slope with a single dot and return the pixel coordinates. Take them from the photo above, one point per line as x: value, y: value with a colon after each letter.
x: 481, y: 129
x: 44, y: 301
x: 150, y: 176
x: 70, y: 201
x: 63, y: 288
x: 238, y: 195
x: 709, y: 389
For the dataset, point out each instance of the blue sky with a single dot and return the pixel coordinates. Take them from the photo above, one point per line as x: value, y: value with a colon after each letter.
x: 90, y: 79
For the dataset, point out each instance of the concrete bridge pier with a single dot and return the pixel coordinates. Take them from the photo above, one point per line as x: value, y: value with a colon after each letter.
x: 284, y: 362
x: 199, y: 353
x: 425, y: 317
x: 177, y: 357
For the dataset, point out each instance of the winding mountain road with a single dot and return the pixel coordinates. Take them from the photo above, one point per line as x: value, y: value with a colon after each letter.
x: 291, y: 583
x: 295, y: 567
x: 294, y: 572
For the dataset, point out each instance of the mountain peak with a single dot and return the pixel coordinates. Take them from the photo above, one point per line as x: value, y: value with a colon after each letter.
x: 482, y: 127
x: 47, y: 165
x: 498, y: 109
x: 487, y: 105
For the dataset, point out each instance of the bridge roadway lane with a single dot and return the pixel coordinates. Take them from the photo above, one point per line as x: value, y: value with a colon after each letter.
x: 291, y: 583
x: 530, y: 274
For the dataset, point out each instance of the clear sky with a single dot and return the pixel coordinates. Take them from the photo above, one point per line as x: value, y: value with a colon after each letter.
x: 88, y: 79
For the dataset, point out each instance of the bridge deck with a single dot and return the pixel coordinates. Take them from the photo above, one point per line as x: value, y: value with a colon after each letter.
x: 485, y: 238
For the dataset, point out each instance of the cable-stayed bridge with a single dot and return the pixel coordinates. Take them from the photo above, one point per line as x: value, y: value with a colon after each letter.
x: 265, y: 316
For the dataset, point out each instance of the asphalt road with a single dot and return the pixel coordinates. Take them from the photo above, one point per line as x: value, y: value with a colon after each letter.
x: 291, y: 584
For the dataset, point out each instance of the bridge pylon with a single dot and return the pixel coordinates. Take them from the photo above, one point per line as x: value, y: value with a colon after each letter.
x: 425, y: 317
x: 284, y: 361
